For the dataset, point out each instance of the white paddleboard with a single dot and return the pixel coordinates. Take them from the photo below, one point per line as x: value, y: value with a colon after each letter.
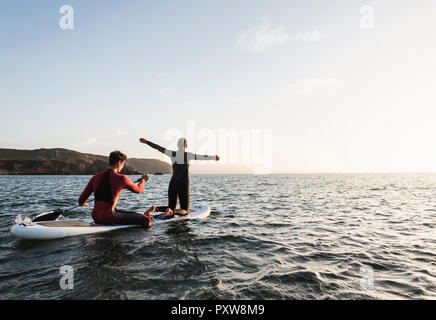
x: 68, y: 228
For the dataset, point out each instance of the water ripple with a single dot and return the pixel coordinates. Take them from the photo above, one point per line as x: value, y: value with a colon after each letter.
x: 268, y: 237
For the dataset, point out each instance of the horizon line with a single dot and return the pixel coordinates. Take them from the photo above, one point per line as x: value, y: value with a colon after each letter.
x: 302, y: 173
x: 250, y: 173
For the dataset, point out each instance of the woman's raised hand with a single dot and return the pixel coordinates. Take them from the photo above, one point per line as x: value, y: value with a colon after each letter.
x: 142, y: 140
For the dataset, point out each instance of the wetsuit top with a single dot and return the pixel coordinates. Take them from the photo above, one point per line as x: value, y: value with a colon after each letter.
x: 107, y: 186
x: 104, y: 192
x: 180, y: 160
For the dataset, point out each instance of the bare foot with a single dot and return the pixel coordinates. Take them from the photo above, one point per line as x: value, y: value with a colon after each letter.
x: 181, y: 212
x: 168, y: 213
x: 150, y: 211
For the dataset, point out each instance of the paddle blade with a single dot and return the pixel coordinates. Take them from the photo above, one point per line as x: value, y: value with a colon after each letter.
x: 48, y: 216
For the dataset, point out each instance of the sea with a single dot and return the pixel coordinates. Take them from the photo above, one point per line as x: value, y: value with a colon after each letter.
x: 269, y: 237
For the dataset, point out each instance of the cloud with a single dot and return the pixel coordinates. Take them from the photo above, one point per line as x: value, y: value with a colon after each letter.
x: 120, y: 133
x: 310, y: 85
x: 309, y: 36
x: 261, y: 39
x: 90, y: 141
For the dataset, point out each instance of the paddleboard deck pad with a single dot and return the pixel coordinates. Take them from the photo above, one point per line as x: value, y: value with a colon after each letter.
x: 46, y: 230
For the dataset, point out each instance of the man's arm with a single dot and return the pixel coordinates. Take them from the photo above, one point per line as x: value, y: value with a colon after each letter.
x: 86, y: 193
x: 129, y: 185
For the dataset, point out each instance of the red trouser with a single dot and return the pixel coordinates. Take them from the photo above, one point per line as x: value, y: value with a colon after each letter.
x: 107, y: 186
x: 102, y: 214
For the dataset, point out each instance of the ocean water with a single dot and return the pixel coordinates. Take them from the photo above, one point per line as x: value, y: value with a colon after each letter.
x: 268, y: 237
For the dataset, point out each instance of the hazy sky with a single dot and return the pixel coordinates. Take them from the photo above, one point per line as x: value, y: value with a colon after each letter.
x: 336, y: 96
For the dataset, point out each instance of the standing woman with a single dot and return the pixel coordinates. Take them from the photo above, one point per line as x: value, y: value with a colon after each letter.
x: 179, y: 184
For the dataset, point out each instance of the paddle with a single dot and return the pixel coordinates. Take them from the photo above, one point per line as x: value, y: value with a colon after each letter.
x: 54, y: 214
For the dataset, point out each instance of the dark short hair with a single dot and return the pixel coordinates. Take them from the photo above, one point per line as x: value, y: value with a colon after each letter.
x: 116, y: 156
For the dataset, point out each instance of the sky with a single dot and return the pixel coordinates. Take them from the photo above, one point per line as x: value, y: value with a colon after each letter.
x: 271, y: 86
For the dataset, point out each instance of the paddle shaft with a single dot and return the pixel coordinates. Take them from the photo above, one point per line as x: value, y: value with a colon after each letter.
x: 75, y: 207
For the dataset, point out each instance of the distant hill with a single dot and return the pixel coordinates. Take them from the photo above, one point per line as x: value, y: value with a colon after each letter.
x: 151, y: 166
x: 68, y: 162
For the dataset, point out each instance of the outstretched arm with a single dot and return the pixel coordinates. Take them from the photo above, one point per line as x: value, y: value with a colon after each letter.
x: 157, y: 147
x: 204, y: 157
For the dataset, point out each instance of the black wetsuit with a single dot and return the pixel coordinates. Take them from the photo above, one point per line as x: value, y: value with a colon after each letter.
x: 179, y: 184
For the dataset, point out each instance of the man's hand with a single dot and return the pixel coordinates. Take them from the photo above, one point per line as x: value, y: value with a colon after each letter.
x: 84, y: 204
x: 145, y: 177
x: 142, y: 140
x: 217, y: 158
